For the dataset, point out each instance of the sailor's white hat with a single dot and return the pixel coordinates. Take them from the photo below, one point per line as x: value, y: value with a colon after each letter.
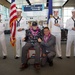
x: 55, y: 10
x: 73, y: 10
x: 19, y: 9
x: 0, y: 13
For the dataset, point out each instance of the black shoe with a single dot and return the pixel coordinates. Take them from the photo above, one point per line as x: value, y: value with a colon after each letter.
x: 4, y: 57
x: 17, y: 57
x: 68, y: 57
x: 23, y: 66
x: 51, y: 63
x: 60, y: 57
x: 48, y: 60
x: 37, y: 66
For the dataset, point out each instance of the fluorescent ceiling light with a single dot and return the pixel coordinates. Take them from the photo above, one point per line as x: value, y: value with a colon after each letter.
x: 37, y: 0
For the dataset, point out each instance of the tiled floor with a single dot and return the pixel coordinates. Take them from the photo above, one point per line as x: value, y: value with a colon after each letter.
x: 10, y: 66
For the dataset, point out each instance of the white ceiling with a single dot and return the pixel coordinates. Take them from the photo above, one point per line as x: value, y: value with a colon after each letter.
x: 57, y: 3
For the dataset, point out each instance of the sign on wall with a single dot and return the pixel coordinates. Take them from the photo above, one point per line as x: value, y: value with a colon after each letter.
x: 38, y: 7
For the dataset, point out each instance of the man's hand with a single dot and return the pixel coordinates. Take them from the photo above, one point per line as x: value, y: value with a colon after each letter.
x: 56, y: 24
x: 23, y: 39
x: 39, y: 40
x: 73, y: 28
x: 20, y: 29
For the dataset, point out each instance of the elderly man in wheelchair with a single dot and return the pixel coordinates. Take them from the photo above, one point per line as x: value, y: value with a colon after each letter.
x: 32, y: 36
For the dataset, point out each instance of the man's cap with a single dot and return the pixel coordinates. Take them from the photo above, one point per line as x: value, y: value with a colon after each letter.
x: 73, y: 10
x: 19, y: 9
x: 34, y: 23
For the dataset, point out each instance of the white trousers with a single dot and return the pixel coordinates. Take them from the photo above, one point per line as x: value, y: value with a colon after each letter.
x: 3, y: 44
x: 58, y: 43
x: 19, y: 45
x: 70, y: 40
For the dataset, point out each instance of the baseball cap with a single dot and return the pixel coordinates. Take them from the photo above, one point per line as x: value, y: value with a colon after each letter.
x: 34, y: 23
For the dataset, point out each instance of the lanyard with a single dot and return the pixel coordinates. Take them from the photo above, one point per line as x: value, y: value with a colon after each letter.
x: 56, y: 19
x: 18, y: 22
x: 74, y: 21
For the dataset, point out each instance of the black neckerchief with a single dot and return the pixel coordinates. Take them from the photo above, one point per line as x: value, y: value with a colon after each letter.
x: 74, y: 21
x: 18, y: 22
x: 56, y: 19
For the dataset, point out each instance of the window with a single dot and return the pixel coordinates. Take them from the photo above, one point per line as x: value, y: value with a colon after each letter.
x: 4, y: 11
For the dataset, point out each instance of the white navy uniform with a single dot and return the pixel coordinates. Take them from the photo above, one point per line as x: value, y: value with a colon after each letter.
x: 56, y: 31
x: 70, y: 36
x: 21, y: 23
x: 2, y: 38
x: 45, y: 25
x: 40, y: 26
